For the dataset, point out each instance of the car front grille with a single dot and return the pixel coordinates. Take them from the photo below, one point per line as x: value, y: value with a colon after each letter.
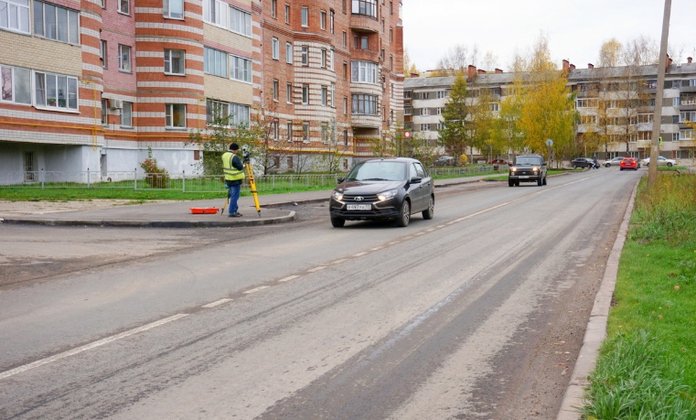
x: 369, y: 198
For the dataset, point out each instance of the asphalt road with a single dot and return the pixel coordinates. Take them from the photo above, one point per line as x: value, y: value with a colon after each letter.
x: 479, y: 312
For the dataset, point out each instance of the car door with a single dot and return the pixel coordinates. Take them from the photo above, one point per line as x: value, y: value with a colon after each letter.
x: 420, y: 191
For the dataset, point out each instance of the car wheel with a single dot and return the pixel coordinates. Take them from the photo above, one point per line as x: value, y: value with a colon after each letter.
x: 430, y: 211
x: 540, y: 182
x: 606, y: 165
x: 404, y: 214
x: 621, y: 169
x: 669, y: 164
x: 338, y: 222
x: 511, y: 183
x: 544, y: 180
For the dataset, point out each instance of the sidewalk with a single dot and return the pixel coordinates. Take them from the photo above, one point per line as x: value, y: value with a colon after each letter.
x: 177, y: 214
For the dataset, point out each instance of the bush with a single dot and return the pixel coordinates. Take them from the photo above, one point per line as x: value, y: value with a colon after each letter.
x: 155, y: 176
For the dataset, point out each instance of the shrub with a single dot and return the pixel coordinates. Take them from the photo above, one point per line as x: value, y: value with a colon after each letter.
x: 155, y: 176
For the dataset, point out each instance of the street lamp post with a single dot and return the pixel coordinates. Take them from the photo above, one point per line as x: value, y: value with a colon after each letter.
x: 661, y: 68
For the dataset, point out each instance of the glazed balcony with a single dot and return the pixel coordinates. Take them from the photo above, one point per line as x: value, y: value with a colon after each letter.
x: 364, y: 23
x: 366, y: 121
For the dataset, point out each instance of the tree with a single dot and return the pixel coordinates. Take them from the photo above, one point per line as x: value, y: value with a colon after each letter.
x: 482, y: 122
x: 457, y: 59
x: 409, y: 67
x: 610, y: 53
x: 547, y: 107
x: 454, y: 135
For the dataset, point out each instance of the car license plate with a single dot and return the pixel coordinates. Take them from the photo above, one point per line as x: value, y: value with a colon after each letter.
x: 359, y: 206
x: 524, y: 176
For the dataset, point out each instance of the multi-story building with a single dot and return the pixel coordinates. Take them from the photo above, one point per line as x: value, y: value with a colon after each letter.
x: 99, y: 85
x: 617, y: 103
x: 332, y: 78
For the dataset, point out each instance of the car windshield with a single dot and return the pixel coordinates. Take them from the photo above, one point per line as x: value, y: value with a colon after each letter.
x: 526, y: 160
x: 378, y: 171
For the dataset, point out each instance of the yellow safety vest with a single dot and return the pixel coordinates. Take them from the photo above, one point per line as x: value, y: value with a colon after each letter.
x: 231, y: 173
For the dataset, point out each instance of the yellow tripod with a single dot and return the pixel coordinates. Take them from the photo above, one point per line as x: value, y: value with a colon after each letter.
x: 252, y: 186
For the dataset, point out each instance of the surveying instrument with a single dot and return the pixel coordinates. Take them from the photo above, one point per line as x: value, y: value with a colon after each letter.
x: 249, y: 171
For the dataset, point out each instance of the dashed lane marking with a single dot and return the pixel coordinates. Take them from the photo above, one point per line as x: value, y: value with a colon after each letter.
x: 315, y: 269
x: 288, y: 278
x: 90, y: 346
x: 255, y: 289
x: 217, y: 303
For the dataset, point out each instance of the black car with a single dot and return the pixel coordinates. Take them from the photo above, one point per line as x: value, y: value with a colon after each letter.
x: 583, y: 162
x: 383, y: 189
x: 527, y: 168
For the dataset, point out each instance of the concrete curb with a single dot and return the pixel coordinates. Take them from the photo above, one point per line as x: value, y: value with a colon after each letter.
x: 596, y: 332
x: 151, y: 223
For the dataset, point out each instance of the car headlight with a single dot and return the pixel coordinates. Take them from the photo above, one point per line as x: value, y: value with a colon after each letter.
x: 513, y: 169
x: 337, y: 195
x: 386, y: 195
x: 535, y: 169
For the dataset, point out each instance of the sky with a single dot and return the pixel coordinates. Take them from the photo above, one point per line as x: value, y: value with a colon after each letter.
x: 575, y: 29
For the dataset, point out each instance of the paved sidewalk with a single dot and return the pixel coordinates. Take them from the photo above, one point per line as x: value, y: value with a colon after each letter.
x: 175, y: 214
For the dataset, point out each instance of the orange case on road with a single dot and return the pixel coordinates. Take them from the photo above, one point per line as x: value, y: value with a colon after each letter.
x: 204, y: 210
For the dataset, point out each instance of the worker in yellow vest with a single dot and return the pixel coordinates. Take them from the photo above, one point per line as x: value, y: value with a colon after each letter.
x: 233, y: 168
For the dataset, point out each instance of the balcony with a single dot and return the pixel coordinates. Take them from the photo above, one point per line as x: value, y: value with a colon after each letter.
x: 366, y: 121
x: 365, y: 55
x: 364, y: 23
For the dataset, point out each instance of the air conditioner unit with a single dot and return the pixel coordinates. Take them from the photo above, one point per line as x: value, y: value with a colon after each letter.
x: 115, y: 104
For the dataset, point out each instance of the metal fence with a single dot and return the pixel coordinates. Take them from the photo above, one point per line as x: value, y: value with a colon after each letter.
x: 137, y: 180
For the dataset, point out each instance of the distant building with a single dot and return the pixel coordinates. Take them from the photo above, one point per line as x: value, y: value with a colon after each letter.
x: 618, y: 102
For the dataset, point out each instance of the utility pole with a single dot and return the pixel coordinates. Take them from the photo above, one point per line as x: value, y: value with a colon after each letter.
x: 657, y: 120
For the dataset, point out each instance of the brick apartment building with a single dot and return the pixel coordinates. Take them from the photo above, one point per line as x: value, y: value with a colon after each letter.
x: 618, y: 100
x: 99, y: 84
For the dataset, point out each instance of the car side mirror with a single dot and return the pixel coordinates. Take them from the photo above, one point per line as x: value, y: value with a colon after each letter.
x: 416, y: 180
x: 339, y: 180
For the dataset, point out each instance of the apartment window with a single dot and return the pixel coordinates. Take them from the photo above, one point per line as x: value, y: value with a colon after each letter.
x: 124, y: 58
x: 365, y: 7
x: 275, y: 48
x: 289, y: 130
x: 175, y: 115
x: 305, y: 130
x: 345, y: 141
x: 55, y: 91
x: 345, y: 105
x: 104, y: 111
x: 15, y: 85
x: 330, y: 59
x: 305, y: 16
x: 305, y: 94
x: 240, y: 68
x: 343, y: 6
x: 391, y: 35
x: 288, y: 93
x: 322, y: 20
x: 364, y: 72
x: 288, y: 53
x: 323, y: 58
x: 240, y: 21
x: 345, y: 39
x: 686, y: 116
x: 173, y: 9
x: 332, y: 21
x: 124, y: 6
x: 361, y: 42
x: 276, y: 88
x: 174, y: 62
x: 215, y: 62
x: 287, y: 14
x: 324, y: 95
x: 226, y: 113
x: 127, y: 114
x: 332, y: 94
x: 345, y: 70
x: 289, y: 162
x: 365, y: 104
x: 274, y: 9
x: 325, y: 133
x: 305, y: 55
x: 103, y: 53
x: 55, y: 22
x: 14, y: 15
x: 275, y: 129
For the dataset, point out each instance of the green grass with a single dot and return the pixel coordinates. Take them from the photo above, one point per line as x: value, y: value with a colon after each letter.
x: 647, y: 367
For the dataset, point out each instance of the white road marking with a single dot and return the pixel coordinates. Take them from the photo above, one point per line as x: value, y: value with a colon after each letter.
x: 315, y: 269
x: 342, y: 260
x: 360, y: 254
x: 377, y: 248
x: 90, y: 346
x: 255, y: 289
x: 217, y: 303
x: 288, y: 278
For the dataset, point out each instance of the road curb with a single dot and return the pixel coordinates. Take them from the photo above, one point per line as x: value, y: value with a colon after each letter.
x: 596, y: 331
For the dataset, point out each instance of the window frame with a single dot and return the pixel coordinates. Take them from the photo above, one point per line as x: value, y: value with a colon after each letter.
x: 275, y: 48
x: 120, y: 8
x: 167, y: 9
x: 170, y: 116
x: 121, y: 67
x: 22, y: 15
x: 170, y: 60
x: 304, y: 17
x: 126, y: 122
x: 26, y: 78
x: 56, y: 77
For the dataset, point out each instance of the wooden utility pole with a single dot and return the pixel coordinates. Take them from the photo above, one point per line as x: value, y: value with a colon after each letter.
x: 659, y: 93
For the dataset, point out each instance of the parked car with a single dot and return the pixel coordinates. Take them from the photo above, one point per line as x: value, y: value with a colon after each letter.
x: 583, y: 162
x: 527, y: 168
x: 661, y: 160
x: 383, y: 189
x: 613, y: 161
x: 445, y: 161
x: 629, y: 163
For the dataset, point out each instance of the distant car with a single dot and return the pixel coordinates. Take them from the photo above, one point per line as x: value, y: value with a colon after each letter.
x: 527, y: 168
x: 445, y: 161
x: 383, y: 189
x: 661, y: 160
x: 499, y: 162
x: 583, y: 162
x: 613, y: 161
x: 629, y: 163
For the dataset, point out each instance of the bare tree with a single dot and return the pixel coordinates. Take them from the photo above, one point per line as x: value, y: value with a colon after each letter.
x: 610, y: 53
x: 458, y: 58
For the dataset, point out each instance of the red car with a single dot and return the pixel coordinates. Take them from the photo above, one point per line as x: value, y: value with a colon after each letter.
x: 628, y: 163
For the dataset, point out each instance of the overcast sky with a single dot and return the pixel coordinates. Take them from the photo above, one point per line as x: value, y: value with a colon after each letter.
x: 575, y: 29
